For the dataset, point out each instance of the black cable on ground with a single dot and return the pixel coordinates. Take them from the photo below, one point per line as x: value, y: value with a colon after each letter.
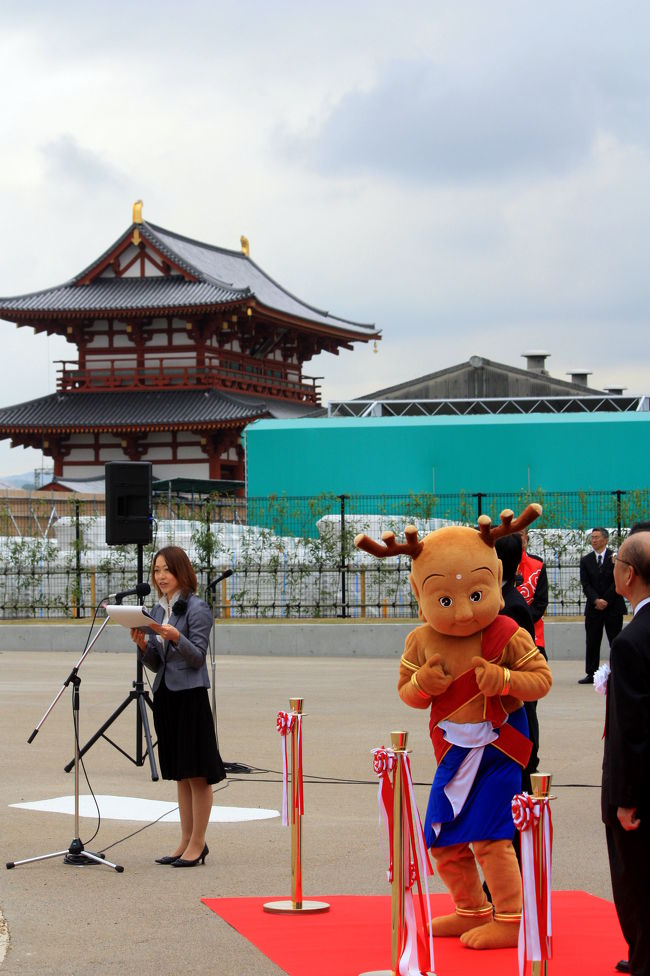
x: 152, y: 823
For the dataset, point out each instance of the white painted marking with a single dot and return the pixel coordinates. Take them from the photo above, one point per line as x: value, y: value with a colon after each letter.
x: 4, y: 937
x: 140, y: 809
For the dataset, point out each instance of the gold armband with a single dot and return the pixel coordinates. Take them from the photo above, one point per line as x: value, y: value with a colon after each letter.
x: 414, y: 682
x: 506, y: 682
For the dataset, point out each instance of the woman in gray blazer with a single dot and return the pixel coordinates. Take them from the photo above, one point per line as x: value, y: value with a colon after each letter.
x: 187, y: 744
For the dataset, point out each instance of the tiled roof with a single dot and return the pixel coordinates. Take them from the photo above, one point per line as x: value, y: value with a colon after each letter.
x: 133, y: 410
x: 240, y: 271
x: 117, y: 294
x: 222, y: 277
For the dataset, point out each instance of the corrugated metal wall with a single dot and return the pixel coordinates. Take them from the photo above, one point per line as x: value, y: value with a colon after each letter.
x: 398, y: 455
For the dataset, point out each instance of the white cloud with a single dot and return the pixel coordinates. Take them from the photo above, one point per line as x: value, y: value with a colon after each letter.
x: 471, y: 177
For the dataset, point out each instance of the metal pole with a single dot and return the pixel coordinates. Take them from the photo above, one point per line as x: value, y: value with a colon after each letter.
x: 541, y: 786
x: 618, y: 494
x: 398, y: 742
x: 343, y: 564
x: 401, y: 859
x: 139, y: 676
x: 296, y: 906
x: 295, y: 705
x: 479, y: 495
x: 79, y: 599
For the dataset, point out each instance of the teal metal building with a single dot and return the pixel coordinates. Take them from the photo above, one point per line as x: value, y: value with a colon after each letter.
x: 448, y: 454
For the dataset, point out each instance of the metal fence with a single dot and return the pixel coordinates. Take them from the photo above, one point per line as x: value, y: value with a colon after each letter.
x: 291, y: 557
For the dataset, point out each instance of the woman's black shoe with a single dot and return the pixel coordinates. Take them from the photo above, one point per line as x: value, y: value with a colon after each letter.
x: 167, y: 859
x: 182, y: 863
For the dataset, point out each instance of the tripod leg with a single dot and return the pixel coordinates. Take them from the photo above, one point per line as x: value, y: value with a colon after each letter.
x: 99, y: 733
x: 41, y: 857
x: 102, y: 860
x: 143, y: 701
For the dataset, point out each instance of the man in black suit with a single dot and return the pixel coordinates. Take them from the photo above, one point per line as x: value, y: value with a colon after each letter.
x: 626, y: 761
x: 604, y: 608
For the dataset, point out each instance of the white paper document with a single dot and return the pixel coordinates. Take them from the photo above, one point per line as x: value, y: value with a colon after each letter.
x: 137, y: 617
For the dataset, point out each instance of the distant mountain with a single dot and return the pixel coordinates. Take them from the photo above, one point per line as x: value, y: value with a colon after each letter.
x: 26, y: 480
x: 18, y: 480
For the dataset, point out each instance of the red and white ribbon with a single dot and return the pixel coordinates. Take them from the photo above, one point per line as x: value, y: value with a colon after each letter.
x: 417, y: 953
x: 532, y: 817
x: 383, y: 763
x: 285, y: 724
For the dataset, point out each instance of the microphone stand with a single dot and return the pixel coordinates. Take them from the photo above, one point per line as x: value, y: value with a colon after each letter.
x: 75, y: 854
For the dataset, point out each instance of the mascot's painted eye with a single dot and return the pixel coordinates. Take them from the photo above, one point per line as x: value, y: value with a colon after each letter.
x: 445, y: 601
x: 475, y: 597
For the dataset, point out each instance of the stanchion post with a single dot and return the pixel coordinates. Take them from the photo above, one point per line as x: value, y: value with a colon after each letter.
x: 296, y: 906
x: 401, y: 860
x: 541, y: 786
x: 295, y: 705
x: 398, y: 741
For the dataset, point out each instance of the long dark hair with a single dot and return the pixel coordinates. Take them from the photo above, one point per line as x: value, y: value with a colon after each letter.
x: 179, y: 565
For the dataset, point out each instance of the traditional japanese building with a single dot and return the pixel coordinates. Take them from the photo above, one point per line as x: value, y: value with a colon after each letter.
x: 180, y: 344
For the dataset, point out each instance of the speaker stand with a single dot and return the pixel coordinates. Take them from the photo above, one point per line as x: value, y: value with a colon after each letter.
x: 141, y: 697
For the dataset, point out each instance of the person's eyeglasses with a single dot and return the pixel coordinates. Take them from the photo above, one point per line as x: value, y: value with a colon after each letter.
x: 617, y: 559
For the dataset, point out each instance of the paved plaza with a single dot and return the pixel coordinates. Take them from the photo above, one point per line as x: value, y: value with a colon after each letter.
x: 149, y: 920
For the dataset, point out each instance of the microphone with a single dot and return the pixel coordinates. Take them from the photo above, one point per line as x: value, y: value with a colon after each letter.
x: 214, y: 582
x: 142, y: 589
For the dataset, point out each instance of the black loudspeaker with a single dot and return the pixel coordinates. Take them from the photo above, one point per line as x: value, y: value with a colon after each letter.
x: 128, y: 503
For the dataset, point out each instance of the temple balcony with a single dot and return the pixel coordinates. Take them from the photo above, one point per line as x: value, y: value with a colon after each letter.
x: 234, y: 373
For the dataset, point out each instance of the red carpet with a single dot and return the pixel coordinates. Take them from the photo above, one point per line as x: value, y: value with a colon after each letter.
x: 354, y: 936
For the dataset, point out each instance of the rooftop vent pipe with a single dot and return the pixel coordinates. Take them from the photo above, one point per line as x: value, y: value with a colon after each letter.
x: 536, y: 361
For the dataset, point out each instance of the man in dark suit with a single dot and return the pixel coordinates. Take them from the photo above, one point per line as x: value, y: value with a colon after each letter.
x: 626, y: 761
x: 604, y: 608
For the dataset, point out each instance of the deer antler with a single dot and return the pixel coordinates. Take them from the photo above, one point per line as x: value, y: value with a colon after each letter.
x: 411, y: 547
x: 508, y: 525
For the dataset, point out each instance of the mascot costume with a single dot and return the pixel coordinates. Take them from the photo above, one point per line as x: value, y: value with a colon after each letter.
x: 474, y: 669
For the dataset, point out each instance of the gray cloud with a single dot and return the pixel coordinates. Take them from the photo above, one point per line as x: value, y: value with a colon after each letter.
x: 68, y: 162
x: 448, y: 123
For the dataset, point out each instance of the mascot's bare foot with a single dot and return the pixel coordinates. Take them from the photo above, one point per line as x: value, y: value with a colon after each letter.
x: 448, y: 926
x: 495, y: 935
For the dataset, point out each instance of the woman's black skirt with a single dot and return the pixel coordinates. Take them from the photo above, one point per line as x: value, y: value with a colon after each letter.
x: 187, y: 744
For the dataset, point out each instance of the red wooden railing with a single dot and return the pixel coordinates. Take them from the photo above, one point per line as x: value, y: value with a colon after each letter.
x: 233, y: 372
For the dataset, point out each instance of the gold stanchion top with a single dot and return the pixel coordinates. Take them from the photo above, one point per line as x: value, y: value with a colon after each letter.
x: 541, y: 784
x: 398, y: 740
x: 295, y: 704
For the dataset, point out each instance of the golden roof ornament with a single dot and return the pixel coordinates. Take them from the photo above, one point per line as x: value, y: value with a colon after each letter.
x: 245, y: 246
x: 137, y: 219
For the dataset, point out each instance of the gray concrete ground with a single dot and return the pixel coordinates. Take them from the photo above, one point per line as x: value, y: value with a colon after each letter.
x: 149, y: 920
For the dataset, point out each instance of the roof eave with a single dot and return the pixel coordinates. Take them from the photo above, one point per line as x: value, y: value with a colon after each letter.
x: 8, y: 430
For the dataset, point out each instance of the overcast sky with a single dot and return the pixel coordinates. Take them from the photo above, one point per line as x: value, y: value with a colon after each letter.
x: 472, y: 177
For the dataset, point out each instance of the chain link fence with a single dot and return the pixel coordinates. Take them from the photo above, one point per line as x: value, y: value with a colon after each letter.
x: 291, y: 557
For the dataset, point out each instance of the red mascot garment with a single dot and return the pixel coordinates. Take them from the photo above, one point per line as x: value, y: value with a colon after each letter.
x: 465, y: 689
